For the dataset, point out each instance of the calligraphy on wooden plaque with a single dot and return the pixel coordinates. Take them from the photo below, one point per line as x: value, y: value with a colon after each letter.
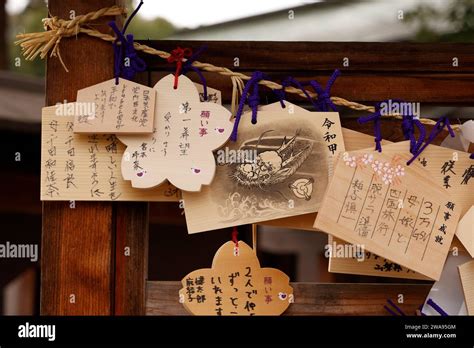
x: 185, y: 133
x: 392, y: 209
x: 115, y: 108
x: 236, y: 285
x: 436, y: 162
x: 86, y: 166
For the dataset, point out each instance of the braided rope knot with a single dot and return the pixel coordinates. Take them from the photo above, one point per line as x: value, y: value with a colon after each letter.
x: 61, y: 26
x: 42, y: 43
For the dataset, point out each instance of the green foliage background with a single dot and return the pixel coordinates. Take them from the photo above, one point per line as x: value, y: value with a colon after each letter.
x: 30, y: 21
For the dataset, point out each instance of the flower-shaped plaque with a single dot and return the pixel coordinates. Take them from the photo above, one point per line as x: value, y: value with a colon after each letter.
x: 186, y: 131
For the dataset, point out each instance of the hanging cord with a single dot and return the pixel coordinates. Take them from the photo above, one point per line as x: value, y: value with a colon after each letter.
x: 290, y: 81
x: 177, y: 55
x: 252, y: 99
x: 235, y: 235
x: 376, y: 118
x: 409, y: 122
x: 438, y: 128
x: 398, y: 309
x: 188, y: 65
x: 323, y: 99
x: 126, y: 50
x: 437, y: 308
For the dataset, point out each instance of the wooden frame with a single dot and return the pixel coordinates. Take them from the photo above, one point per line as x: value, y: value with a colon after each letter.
x: 83, y: 247
x: 84, y: 268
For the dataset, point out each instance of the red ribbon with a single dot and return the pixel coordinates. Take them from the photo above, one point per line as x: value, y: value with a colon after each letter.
x: 235, y: 233
x: 177, y: 55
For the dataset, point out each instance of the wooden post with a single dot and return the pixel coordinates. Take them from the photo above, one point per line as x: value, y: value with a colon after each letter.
x: 79, y: 238
x: 131, y: 261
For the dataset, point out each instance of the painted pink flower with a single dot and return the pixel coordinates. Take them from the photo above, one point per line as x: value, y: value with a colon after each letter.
x: 350, y: 161
x: 367, y: 158
x: 377, y: 167
x: 399, y: 171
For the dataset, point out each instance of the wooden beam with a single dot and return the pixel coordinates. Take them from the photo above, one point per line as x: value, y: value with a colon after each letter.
x: 423, y: 88
x: 311, y: 298
x: 78, y: 243
x: 418, y: 72
x: 325, y: 56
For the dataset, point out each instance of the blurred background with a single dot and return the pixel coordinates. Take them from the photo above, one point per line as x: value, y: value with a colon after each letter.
x: 22, y: 96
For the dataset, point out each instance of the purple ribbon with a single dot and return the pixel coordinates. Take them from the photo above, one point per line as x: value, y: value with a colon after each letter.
x: 323, y: 101
x: 376, y: 118
x: 390, y: 302
x: 390, y: 311
x: 409, y: 122
x: 436, y: 307
x: 252, y: 100
x: 126, y: 50
x: 438, y: 128
x: 289, y: 81
x: 472, y: 156
x: 188, y: 65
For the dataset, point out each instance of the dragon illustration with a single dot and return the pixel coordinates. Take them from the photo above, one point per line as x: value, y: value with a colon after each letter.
x: 274, y: 166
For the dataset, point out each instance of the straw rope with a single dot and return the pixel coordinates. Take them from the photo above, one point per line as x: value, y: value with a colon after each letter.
x: 41, y: 43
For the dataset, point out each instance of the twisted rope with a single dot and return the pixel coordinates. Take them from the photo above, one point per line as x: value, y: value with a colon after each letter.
x: 41, y: 43
x: 34, y: 44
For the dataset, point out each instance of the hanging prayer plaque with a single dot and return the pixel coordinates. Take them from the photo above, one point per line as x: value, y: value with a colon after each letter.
x: 186, y: 131
x: 118, y: 108
x: 86, y: 166
x: 278, y: 167
x: 236, y: 285
x: 465, y: 231
x: 449, y: 169
x: 394, y: 210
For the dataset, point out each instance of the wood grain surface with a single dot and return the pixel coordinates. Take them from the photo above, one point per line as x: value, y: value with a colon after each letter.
x: 310, y: 298
x: 77, y: 247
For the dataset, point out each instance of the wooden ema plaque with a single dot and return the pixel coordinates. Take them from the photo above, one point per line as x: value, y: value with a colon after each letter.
x: 465, y: 230
x: 86, y: 167
x: 236, y: 285
x: 391, y: 209
x: 115, y: 108
x: 435, y: 160
x: 185, y: 133
x: 278, y: 167
x: 367, y: 264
